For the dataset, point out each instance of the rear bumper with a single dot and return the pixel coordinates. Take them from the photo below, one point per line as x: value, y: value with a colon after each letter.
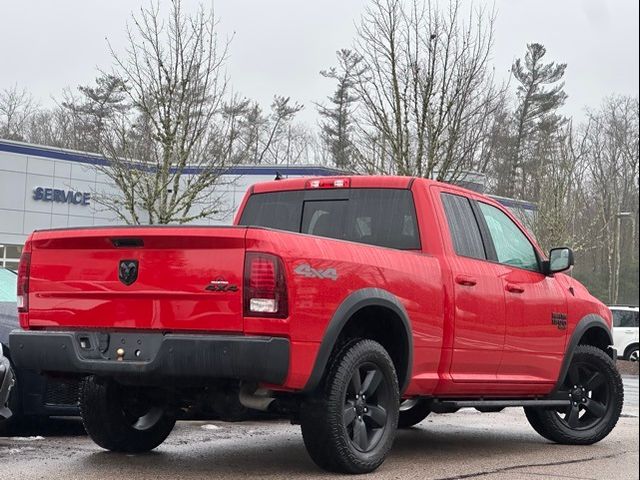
x: 153, y: 356
x: 6, y: 382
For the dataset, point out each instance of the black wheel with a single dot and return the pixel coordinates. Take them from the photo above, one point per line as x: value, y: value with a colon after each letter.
x: 631, y: 353
x: 595, y: 389
x: 122, y: 419
x: 349, y: 426
x: 413, y: 411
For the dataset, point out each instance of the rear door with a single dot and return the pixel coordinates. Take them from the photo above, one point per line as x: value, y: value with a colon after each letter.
x: 479, y: 315
x: 535, y: 304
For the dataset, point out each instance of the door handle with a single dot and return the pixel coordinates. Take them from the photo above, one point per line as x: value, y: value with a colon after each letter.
x: 629, y: 331
x: 514, y: 288
x: 466, y: 281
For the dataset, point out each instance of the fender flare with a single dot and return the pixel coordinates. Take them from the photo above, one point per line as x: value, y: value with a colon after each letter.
x: 587, y: 322
x: 366, y: 297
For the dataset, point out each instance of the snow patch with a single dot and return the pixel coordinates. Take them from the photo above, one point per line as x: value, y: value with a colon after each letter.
x: 210, y: 426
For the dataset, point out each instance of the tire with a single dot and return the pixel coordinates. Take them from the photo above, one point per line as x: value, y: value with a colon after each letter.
x: 595, y: 387
x: 123, y: 421
x: 350, y: 424
x: 631, y: 353
x: 412, y: 412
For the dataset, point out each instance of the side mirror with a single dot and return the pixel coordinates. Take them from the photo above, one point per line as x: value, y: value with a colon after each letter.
x: 560, y: 259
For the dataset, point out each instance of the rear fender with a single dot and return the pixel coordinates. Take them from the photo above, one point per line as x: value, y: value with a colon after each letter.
x: 366, y: 297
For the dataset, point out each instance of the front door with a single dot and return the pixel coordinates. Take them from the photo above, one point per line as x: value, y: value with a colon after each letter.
x: 535, y: 305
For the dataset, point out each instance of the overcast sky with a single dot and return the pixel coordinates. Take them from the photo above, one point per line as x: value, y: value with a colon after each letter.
x: 279, y: 46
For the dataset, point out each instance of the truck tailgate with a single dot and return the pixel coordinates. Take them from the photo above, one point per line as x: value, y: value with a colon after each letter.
x: 153, y: 278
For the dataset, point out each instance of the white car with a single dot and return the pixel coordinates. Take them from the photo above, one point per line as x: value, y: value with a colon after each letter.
x: 625, y: 331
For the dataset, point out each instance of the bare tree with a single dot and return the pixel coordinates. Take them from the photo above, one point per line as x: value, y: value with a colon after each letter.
x: 159, y: 117
x: 561, y: 214
x: 611, y: 138
x: 427, y: 91
x: 16, y: 108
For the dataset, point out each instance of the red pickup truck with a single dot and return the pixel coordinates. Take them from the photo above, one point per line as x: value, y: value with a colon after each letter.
x: 353, y: 305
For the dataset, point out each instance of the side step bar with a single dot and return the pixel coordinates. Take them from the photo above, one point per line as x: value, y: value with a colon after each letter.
x: 501, y: 403
x: 450, y: 406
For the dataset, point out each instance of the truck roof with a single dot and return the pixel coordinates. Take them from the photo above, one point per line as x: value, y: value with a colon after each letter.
x: 355, y: 181
x: 361, y: 181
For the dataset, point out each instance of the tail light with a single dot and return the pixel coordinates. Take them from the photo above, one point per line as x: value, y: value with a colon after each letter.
x: 23, y: 286
x: 265, y: 287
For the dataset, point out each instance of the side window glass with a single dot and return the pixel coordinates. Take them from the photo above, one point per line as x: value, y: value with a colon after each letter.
x: 625, y: 319
x: 617, y: 318
x: 463, y: 226
x: 512, y: 246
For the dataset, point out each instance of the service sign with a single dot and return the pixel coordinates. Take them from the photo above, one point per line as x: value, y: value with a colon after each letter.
x: 43, y: 194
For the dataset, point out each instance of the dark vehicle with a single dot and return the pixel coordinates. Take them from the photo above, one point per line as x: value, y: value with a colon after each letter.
x: 6, y: 383
x: 32, y: 395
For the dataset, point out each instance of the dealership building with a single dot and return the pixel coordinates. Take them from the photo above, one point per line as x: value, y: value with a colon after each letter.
x: 46, y: 187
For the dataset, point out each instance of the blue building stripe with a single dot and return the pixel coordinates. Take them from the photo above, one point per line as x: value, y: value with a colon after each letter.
x: 92, y: 159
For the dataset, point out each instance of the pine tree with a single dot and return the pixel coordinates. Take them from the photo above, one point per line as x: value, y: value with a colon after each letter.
x: 338, y: 121
x: 539, y: 96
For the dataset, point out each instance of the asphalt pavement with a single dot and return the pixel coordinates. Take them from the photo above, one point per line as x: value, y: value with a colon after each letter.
x: 466, y: 444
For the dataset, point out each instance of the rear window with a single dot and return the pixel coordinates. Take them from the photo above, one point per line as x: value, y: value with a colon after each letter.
x: 463, y: 227
x: 382, y: 217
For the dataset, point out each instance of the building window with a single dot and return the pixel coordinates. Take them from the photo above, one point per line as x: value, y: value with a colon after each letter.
x: 10, y: 256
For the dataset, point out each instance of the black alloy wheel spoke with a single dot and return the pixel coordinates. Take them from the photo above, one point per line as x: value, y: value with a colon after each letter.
x: 371, y: 382
x: 360, y: 437
x: 573, y: 416
x: 356, y: 382
x: 349, y: 414
x: 377, y: 414
x: 574, y: 376
x: 595, y: 408
x: 596, y: 380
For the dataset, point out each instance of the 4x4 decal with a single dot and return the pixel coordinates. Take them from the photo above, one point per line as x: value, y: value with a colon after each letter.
x: 306, y: 270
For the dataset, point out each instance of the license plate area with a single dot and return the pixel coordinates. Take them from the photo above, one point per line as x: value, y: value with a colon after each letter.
x: 116, y: 346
